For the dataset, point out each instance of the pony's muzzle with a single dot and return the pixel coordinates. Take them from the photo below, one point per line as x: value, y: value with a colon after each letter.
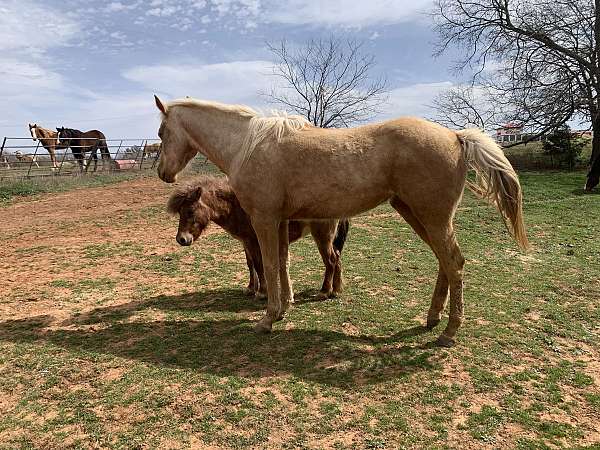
x: 185, y: 239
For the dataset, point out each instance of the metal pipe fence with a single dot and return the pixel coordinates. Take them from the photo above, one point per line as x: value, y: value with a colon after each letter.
x: 21, y: 157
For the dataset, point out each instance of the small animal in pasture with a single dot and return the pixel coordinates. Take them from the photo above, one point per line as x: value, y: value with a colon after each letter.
x: 209, y: 199
x: 26, y: 158
x: 152, y: 149
x: 82, y: 142
x: 49, y: 140
x: 283, y: 168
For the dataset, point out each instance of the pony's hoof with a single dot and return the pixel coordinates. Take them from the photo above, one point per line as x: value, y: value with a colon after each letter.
x: 264, y: 326
x: 445, y: 341
x: 322, y: 296
x: 249, y: 292
x: 432, y: 323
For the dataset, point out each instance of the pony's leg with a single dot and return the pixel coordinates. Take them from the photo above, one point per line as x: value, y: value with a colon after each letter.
x: 443, y: 241
x: 440, y: 293
x: 252, y: 287
x: 323, y: 236
x: 261, y: 283
x: 267, y: 232
x: 287, y: 294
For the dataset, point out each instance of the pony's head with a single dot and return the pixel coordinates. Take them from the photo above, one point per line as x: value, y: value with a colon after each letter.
x: 32, y: 131
x: 194, y: 215
x: 176, y: 149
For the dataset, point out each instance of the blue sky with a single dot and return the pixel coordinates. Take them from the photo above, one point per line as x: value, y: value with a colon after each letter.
x: 95, y: 64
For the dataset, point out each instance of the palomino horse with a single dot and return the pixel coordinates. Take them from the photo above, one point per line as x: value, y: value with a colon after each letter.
x: 83, y: 142
x: 209, y: 199
x: 283, y: 168
x: 49, y: 140
x: 26, y: 158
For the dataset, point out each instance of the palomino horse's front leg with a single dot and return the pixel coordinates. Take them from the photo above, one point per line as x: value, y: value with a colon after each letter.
x: 267, y: 232
x: 287, y: 294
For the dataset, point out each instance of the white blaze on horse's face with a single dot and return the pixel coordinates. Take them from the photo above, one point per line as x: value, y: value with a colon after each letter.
x: 32, y: 131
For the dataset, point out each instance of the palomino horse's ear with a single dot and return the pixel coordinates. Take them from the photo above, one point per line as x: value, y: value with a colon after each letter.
x: 160, y: 105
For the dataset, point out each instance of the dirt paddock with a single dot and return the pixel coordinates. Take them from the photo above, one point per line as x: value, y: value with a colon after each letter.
x: 114, y: 336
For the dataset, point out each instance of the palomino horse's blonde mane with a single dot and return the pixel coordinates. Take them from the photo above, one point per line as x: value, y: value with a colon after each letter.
x: 262, y: 127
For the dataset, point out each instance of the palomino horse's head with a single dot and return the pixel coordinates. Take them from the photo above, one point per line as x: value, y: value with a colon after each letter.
x: 194, y: 216
x: 32, y: 127
x: 176, y: 149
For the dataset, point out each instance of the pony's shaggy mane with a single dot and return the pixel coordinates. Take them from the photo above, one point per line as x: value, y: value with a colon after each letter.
x: 187, y: 193
x: 261, y: 128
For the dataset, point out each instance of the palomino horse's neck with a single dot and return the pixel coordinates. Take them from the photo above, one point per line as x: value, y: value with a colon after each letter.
x: 217, y: 134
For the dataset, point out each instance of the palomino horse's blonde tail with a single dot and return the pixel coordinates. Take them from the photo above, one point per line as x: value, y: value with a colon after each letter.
x: 496, y: 181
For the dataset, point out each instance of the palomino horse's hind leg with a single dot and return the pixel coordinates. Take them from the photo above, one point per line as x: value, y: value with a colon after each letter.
x: 267, y: 232
x: 287, y: 294
x: 443, y: 241
x: 440, y: 293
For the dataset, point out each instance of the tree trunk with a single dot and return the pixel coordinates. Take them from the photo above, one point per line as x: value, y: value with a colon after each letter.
x: 595, y: 140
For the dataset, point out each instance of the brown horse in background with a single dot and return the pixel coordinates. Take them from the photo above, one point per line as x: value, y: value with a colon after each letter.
x: 283, y: 168
x: 49, y: 140
x: 82, y: 142
x: 209, y: 199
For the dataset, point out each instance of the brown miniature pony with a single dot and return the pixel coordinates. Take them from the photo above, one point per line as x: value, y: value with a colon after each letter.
x: 49, y: 140
x: 283, y: 168
x: 209, y: 199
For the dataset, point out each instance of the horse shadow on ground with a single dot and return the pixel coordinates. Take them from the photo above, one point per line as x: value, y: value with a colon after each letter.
x: 582, y: 191
x: 226, y: 347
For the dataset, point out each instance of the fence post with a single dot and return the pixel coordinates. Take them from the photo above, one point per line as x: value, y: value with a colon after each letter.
x: 156, y: 157
x: 2, y: 148
x: 116, y: 156
x: 34, y: 158
x: 143, y: 153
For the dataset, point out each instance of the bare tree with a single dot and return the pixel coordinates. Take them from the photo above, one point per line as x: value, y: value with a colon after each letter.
x: 462, y: 106
x: 545, y: 56
x: 327, y: 81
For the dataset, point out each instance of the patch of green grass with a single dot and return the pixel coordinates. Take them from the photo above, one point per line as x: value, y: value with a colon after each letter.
x: 175, y: 361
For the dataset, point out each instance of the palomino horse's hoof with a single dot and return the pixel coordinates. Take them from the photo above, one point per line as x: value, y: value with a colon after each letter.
x: 445, y: 341
x: 432, y: 323
x: 264, y: 326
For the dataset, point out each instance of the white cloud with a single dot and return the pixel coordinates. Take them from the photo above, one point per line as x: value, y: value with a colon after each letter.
x: 29, y: 25
x: 413, y: 100
x: 232, y: 82
x: 348, y: 13
x: 118, y: 7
